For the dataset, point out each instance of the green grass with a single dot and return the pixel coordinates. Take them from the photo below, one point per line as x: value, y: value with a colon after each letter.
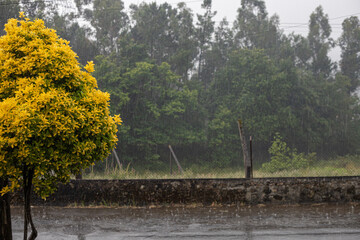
x: 340, y: 166
x: 188, y: 173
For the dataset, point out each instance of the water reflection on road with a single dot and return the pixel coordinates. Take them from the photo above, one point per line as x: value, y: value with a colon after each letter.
x: 326, y: 221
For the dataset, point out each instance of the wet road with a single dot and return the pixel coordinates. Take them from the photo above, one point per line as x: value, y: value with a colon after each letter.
x: 257, y: 222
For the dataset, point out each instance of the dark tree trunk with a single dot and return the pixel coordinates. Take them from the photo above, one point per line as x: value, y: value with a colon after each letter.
x: 28, y: 177
x: 5, y: 215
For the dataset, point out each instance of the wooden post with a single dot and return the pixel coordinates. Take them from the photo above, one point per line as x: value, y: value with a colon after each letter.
x: 251, y: 158
x: 117, y: 158
x: 170, y: 164
x: 176, y: 160
x: 247, y: 163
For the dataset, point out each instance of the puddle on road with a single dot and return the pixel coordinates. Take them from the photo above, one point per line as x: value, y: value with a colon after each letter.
x: 325, y: 221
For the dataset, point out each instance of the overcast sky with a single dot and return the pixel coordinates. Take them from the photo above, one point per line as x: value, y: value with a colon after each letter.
x: 294, y: 14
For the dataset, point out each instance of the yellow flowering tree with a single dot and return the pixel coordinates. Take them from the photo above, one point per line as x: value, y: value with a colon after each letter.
x: 53, y: 119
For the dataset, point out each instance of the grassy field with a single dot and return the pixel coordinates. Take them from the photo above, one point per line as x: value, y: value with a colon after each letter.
x: 341, y: 166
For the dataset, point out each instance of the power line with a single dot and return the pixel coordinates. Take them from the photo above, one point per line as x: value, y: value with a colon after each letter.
x: 351, y: 15
x: 331, y: 19
x: 258, y: 34
x: 290, y: 23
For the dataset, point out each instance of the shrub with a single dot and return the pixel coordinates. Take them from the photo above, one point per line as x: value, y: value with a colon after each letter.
x: 285, y: 158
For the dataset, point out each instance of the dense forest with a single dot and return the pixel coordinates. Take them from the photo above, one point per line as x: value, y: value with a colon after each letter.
x: 181, y: 78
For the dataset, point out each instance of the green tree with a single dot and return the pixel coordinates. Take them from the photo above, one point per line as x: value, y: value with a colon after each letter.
x: 350, y: 51
x: 320, y: 43
x: 205, y: 31
x: 216, y: 57
x: 158, y: 108
x: 35, y: 9
x: 338, y: 111
x: 168, y: 35
x: 222, y: 138
x: 110, y: 70
x: 285, y: 158
x: 183, y: 51
x: 254, y: 29
x: 299, y: 50
x: 269, y: 96
x: 152, y: 29
x: 109, y: 20
x: 156, y: 104
x: 53, y: 119
x: 254, y: 89
x: 8, y: 9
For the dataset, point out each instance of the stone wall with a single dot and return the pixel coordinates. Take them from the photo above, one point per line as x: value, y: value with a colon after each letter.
x: 203, y: 191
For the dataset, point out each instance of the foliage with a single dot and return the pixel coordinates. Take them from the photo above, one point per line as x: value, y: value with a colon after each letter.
x: 350, y: 56
x: 181, y: 78
x: 6, y: 13
x: 53, y: 119
x: 204, y: 33
x: 155, y: 103
x: 285, y: 158
x: 108, y: 26
x: 320, y: 43
x: 253, y: 19
x: 223, y: 139
x: 253, y: 88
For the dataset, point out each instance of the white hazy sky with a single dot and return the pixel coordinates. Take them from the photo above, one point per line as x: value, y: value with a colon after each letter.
x: 294, y: 14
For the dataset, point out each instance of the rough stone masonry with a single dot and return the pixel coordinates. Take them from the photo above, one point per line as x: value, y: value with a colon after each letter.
x: 203, y: 191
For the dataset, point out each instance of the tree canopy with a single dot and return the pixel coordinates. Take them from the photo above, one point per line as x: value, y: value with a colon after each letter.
x: 54, y: 121
x: 53, y: 118
x: 184, y: 79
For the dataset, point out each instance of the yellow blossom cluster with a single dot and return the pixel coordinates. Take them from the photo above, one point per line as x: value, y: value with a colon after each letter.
x: 53, y: 119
